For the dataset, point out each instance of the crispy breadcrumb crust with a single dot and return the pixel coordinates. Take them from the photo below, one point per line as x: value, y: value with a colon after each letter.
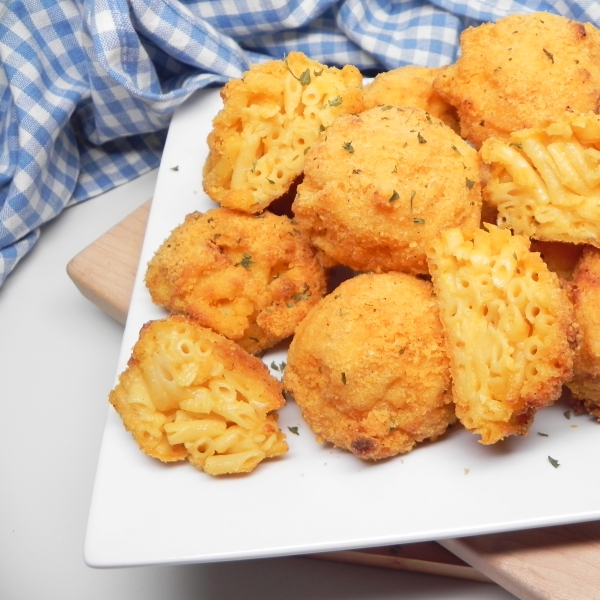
x: 164, y: 372
x: 368, y: 366
x: 251, y: 278
x: 269, y: 118
x: 381, y: 184
x: 520, y: 72
x: 508, y: 325
x: 410, y: 86
x: 585, y: 295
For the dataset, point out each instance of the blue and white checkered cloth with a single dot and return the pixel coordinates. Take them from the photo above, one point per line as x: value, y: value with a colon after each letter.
x: 87, y: 88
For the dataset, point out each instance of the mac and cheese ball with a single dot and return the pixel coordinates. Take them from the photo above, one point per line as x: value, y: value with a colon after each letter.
x: 380, y: 185
x: 251, y: 278
x: 545, y: 182
x: 508, y: 325
x: 521, y: 72
x: 410, y: 86
x: 585, y: 295
x: 270, y: 117
x: 368, y: 366
x: 189, y: 393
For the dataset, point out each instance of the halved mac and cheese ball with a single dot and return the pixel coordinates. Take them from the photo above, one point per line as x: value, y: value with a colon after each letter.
x: 508, y: 325
x: 545, y: 182
x: 522, y: 71
x: 380, y: 185
x: 410, y: 85
x: 270, y: 117
x: 585, y: 295
x: 190, y: 393
x: 251, y: 278
x: 368, y: 367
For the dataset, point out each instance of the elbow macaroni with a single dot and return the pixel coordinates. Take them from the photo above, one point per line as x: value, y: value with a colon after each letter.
x: 545, y: 182
x: 190, y: 393
x: 506, y: 321
x: 270, y: 119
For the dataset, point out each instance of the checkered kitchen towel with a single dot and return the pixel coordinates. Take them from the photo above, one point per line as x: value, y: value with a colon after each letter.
x: 87, y: 87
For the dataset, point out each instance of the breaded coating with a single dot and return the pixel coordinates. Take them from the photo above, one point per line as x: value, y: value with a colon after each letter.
x: 545, y: 182
x: 269, y: 119
x: 521, y: 72
x: 381, y: 185
x: 251, y: 278
x: 190, y: 393
x: 508, y: 326
x: 410, y: 86
x: 368, y: 366
x: 585, y: 295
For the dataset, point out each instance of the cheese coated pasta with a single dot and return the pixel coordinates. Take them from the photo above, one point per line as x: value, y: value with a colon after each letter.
x: 189, y: 393
x: 508, y: 326
x: 545, y: 182
x: 270, y: 118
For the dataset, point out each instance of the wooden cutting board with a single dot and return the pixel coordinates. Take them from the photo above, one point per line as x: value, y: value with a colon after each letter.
x: 551, y: 563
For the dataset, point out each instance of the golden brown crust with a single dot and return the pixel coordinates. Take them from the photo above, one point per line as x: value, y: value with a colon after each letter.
x: 585, y: 295
x: 509, y: 329
x: 368, y: 367
x: 410, y: 86
x: 190, y: 393
x: 380, y: 185
x: 251, y: 278
x: 269, y: 119
x: 520, y: 72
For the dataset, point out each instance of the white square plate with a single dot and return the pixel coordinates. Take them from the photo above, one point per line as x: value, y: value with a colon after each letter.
x: 317, y: 498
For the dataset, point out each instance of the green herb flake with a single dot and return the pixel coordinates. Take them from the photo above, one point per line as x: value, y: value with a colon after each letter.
x: 516, y: 145
x: 470, y: 183
x: 348, y: 146
x: 255, y: 340
x: 394, y: 197
x: 270, y: 181
x: 455, y: 149
x: 335, y: 101
x: 418, y: 221
x: 395, y: 169
x: 294, y: 430
x: 386, y: 107
x: 176, y: 168
x: 553, y: 462
x: 542, y: 434
x: 304, y: 79
x: 548, y: 54
x: 567, y: 414
x: 412, y: 197
x: 344, y: 378
x: 421, y: 139
x: 306, y: 150
x: 246, y: 261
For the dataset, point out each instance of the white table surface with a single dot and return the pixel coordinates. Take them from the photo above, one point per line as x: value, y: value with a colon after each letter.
x: 58, y: 355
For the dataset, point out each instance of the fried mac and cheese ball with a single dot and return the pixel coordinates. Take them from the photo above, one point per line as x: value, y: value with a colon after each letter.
x: 190, y: 393
x: 585, y: 295
x: 521, y: 72
x: 380, y: 185
x: 251, y: 278
x: 410, y: 86
x: 508, y: 326
x: 368, y: 366
x: 545, y: 182
x: 270, y: 117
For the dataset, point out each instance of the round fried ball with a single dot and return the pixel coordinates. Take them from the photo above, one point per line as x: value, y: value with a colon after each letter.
x: 521, y: 72
x: 381, y: 184
x: 368, y: 368
x: 410, y: 85
x: 251, y: 278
